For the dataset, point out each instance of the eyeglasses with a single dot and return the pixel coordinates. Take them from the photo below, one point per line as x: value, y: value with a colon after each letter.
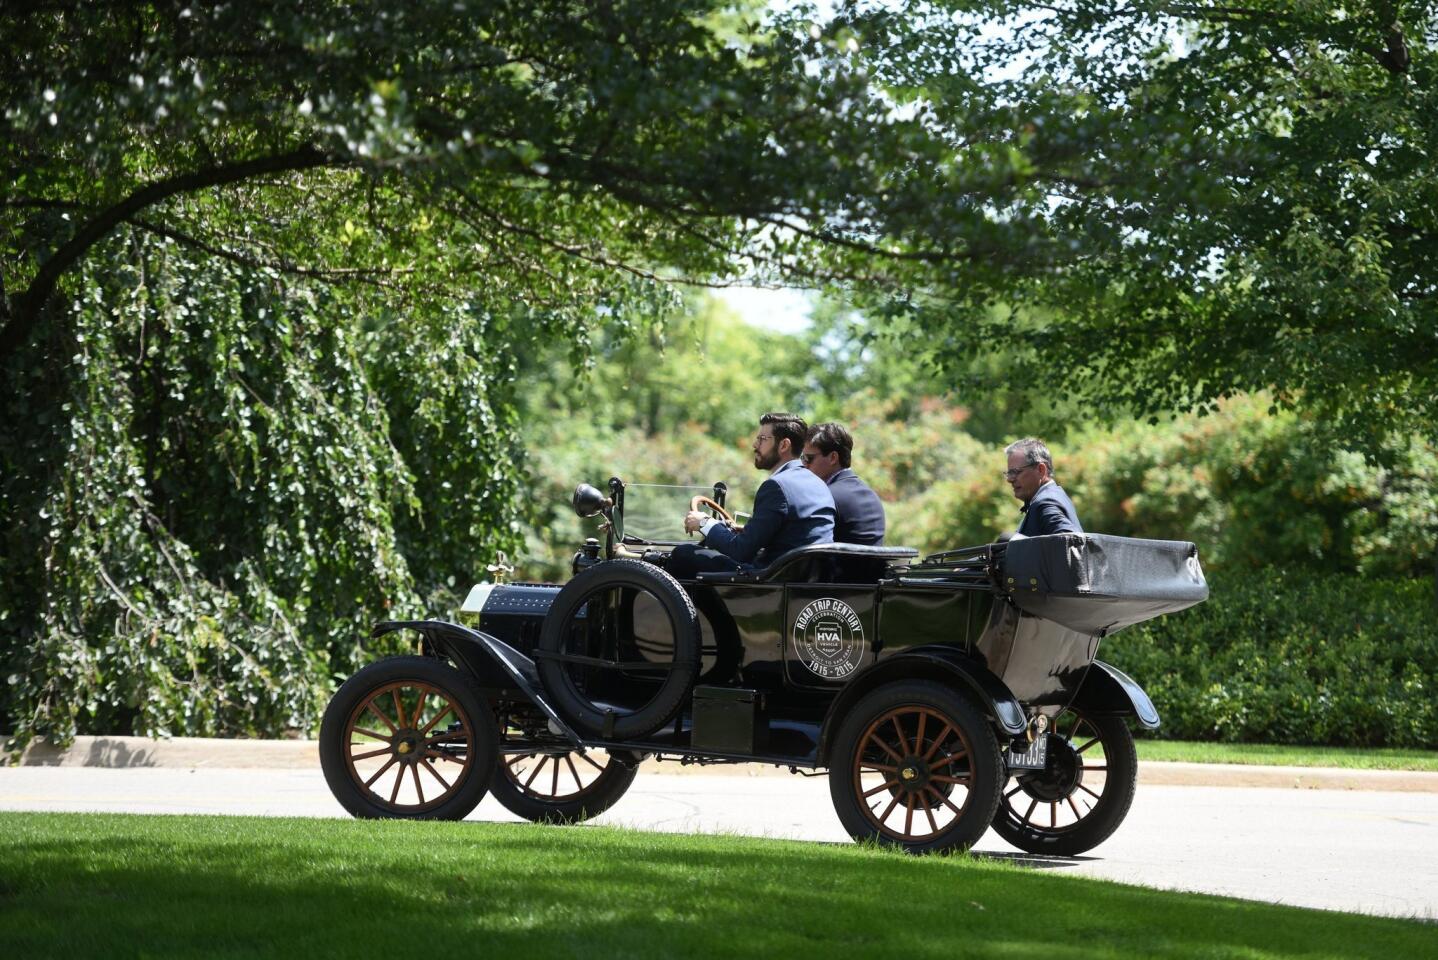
x: 808, y: 458
x: 1012, y: 475
x: 759, y: 440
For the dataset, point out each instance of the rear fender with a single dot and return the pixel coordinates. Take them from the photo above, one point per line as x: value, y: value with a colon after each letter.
x: 942, y: 663
x: 1109, y: 692
x: 489, y: 660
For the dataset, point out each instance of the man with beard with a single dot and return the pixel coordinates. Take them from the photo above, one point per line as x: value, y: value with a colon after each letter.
x: 792, y: 508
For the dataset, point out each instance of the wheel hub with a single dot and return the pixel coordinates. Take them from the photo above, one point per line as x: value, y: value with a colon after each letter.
x: 913, y: 775
x: 408, y: 745
x: 1062, y: 775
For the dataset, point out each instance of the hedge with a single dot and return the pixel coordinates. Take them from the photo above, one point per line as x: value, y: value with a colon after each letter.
x: 1295, y: 658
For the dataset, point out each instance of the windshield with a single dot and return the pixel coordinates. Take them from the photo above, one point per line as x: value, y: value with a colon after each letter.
x: 654, y: 512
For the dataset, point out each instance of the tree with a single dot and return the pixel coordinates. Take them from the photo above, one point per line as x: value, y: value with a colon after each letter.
x: 266, y: 274
x: 1216, y: 198
x: 267, y: 271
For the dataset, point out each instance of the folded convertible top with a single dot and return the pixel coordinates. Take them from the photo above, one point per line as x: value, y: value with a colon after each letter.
x: 1097, y: 584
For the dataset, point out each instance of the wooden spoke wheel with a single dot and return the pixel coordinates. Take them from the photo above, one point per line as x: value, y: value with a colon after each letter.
x: 1081, y: 797
x: 561, y: 787
x: 408, y: 737
x: 915, y: 765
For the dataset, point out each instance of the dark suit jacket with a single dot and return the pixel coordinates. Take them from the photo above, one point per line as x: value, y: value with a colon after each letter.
x: 1050, y: 511
x: 793, y: 508
x: 860, y: 516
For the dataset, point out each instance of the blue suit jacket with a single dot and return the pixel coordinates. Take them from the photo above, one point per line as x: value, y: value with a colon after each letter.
x: 792, y: 508
x: 1050, y: 511
x: 860, y: 513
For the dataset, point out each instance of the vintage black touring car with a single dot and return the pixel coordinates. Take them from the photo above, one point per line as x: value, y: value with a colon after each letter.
x: 943, y: 694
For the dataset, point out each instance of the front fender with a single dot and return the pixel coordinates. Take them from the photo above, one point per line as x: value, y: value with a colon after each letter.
x: 935, y: 662
x: 488, y: 659
x: 1108, y: 691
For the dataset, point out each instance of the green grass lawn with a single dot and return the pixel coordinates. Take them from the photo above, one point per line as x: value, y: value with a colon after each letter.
x: 1352, y: 758
x: 83, y: 885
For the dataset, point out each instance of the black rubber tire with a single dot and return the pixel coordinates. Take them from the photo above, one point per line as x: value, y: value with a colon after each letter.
x: 595, y: 798
x: 1100, y: 820
x: 985, y: 766
x: 583, y: 715
x: 350, y: 701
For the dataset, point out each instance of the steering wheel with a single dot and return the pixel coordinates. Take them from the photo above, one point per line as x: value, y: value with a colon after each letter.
x: 703, y: 501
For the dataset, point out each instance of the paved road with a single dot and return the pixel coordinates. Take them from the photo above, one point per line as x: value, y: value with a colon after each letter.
x: 1362, y: 851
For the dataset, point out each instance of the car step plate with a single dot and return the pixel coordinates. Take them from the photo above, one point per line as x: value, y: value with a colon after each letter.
x: 1036, y: 757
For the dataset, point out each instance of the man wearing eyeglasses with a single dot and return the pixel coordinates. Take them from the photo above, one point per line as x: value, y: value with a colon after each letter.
x: 1046, y: 509
x: 859, y: 513
x: 792, y: 508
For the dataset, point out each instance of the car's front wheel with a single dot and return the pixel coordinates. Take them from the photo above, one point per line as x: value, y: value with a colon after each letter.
x: 561, y: 787
x: 410, y: 738
x: 916, y: 765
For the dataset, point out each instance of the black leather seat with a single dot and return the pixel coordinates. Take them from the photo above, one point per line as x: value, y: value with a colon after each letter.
x: 820, y: 563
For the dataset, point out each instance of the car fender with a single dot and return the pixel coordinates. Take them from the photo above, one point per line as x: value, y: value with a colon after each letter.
x: 1108, y: 691
x: 491, y: 661
x: 937, y: 662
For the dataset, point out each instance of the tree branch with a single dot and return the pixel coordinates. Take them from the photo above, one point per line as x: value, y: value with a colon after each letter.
x: 1395, y: 58
x: 579, y: 253
x: 29, y: 303
x: 367, y: 274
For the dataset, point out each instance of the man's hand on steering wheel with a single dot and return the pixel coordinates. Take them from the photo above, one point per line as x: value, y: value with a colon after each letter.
x: 694, y: 518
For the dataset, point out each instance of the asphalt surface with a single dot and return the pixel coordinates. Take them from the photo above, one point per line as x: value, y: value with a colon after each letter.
x: 1368, y: 851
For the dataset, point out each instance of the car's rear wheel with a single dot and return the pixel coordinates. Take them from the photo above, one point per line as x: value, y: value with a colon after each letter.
x: 1081, y: 797
x: 619, y: 650
x: 410, y: 738
x: 561, y: 787
x: 916, y: 765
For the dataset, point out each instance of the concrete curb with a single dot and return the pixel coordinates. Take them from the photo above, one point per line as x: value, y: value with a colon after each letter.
x: 205, y: 753
x: 1299, y: 778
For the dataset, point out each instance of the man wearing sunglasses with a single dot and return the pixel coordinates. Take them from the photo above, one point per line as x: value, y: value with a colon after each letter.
x: 1046, y: 509
x: 859, y: 514
x: 792, y: 508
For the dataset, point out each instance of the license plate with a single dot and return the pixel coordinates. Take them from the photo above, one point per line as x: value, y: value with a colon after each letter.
x: 1034, y: 758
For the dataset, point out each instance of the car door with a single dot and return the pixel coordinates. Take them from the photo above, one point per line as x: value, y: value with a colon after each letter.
x: 829, y: 633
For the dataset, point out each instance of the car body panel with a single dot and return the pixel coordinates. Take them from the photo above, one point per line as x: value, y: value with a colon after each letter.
x: 1108, y: 691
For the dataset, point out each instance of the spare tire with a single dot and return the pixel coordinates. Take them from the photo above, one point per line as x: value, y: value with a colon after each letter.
x: 619, y: 650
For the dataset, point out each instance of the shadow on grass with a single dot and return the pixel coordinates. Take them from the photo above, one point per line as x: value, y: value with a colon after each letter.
x: 1032, y: 861
x: 82, y: 885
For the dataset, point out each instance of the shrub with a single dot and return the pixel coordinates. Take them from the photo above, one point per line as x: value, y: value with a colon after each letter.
x: 1250, y: 487
x: 1293, y: 657
x: 1255, y: 488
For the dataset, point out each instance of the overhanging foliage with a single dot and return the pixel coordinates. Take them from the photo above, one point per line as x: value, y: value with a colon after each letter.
x: 267, y: 269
